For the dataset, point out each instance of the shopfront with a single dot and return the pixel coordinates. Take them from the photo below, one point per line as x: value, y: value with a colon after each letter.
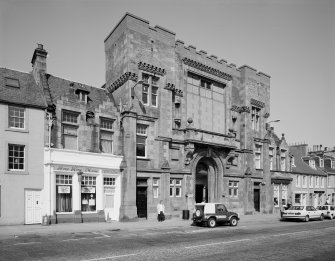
x: 79, y: 193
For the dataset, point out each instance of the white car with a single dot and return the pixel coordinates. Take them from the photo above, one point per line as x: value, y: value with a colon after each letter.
x: 302, y: 213
x: 327, y: 210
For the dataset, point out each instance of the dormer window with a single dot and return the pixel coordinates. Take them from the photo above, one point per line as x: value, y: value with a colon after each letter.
x: 312, y: 163
x: 322, y: 164
x: 82, y: 95
x: 11, y: 82
x: 293, y: 162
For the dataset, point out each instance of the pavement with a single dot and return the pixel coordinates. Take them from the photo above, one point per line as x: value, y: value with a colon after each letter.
x: 11, y: 231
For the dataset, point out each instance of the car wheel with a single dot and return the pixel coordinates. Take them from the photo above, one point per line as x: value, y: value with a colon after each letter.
x: 322, y: 217
x: 212, y: 222
x: 306, y: 218
x: 233, y: 221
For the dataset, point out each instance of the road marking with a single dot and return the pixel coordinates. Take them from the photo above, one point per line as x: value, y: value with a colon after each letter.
x: 219, y: 243
x: 74, y: 239
x: 330, y: 228
x: 102, y: 235
x: 28, y: 243
x: 292, y: 233
x: 109, y: 257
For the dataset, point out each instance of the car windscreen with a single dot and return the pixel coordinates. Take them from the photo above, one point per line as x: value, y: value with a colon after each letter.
x: 296, y: 208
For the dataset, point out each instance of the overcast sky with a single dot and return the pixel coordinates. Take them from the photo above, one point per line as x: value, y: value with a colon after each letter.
x: 292, y: 41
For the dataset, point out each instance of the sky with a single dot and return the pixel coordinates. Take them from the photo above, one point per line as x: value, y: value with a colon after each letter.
x: 293, y: 41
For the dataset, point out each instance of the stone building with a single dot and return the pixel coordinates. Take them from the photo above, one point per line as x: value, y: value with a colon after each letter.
x: 192, y: 126
x: 22, y: 106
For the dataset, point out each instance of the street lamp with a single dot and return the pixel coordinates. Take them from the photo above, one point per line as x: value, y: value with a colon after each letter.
x: 132, y: 91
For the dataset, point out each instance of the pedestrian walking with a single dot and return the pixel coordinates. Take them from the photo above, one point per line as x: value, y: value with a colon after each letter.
x: 161, y: 211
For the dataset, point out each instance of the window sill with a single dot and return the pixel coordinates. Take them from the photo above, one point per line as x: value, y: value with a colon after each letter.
x: 16, y: 172
x: 17, y: 130
x: 141, y: 158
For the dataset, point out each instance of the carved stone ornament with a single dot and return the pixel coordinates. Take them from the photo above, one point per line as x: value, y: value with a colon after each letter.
x: 257, y: 103
x: 189, y: 148
x: 171, y: 87
x: 208, y: 69
x: 121, y: 80
x: 235, y: 108
x: 266, y: 115
x: 151, y: 68
x: 245, y: 109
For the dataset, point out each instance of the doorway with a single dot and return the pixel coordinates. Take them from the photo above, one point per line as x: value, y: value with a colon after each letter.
x: 201, y: 183
x: 257, y: 197
x: 141, y: 202
x: 33, y: 207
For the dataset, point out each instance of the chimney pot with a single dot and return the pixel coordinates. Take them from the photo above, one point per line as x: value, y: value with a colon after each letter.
x: 40, y: 46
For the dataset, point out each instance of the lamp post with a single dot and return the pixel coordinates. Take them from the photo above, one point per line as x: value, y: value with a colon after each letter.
x: 132, y: 91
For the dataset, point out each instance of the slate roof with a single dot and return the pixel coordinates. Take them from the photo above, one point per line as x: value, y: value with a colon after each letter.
x: 28, y: 94
x: 58, y: 87
x: 300, y: 166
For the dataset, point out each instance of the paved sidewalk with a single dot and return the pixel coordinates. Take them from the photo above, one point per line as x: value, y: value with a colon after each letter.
x: 142, y: 224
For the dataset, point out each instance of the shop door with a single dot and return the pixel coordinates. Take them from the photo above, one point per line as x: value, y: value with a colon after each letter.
x: 33, y: 207
x: 109, y: 206
x: 256, y: 199
x: 141, y: 202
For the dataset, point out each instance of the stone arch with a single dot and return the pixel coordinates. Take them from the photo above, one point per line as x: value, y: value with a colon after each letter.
x: 215, y: 170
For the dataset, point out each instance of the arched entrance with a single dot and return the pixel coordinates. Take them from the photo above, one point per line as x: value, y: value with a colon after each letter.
x: 206, y: 180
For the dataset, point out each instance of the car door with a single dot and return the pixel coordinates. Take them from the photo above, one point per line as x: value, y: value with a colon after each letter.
x: 314, y: 212
x: 221, y: 212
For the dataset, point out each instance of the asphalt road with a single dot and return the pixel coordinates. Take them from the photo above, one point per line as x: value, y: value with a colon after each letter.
x: 278, y: 241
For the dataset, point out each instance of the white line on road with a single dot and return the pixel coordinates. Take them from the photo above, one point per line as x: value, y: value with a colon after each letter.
x: 74, y: 239
x: 109, y: 257
x: 28, y: 243
x: 292, y: 233
x: 218, y: 243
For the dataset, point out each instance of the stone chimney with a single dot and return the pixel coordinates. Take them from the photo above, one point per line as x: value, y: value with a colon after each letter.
x: 39, y: 62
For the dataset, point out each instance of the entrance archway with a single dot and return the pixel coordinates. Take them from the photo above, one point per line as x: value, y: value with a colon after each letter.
x: 206, y: 180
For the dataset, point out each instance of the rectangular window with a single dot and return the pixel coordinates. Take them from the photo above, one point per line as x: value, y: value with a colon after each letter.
x: 283, y: 160
x: 106, y: 135
x: 298, y: 181
x: 109, y: 181
x: 70, y: 128
x: 312, y: 163
x: 258, y: 156
x: 150, y: 90
x: 311, y: 182
x: 63, y: 193
x: 317, y: 183
x: 233, y: 189
x: 16, y: 155
x: 297, y: 199
x: 12, y: 82
x: 155, y: 187
x: 284, y: 195
x: 276, y: 195
x: 141, y: 139
x: 322, y: 182
x: 16, y: 117
x: 255, y: 118
x: 88, y: 193
x: 175, y: 187
x: 304, y: 181
x: 271, y: 157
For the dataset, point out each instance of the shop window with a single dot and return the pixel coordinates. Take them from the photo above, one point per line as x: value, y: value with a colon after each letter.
x: 106, y: 135
x: 141, y: 140
x: 175, y: 187
x: 258, y: 156
x: 276, y: 195
x: 63, y: 193
x: 233, y: 189
x: 255, y: 118
x: 150, y: 90
x: 16, y: 157
x: 88, y: 193
x: 16, y: 117
x: 155, y: 187
x: 70, y: 129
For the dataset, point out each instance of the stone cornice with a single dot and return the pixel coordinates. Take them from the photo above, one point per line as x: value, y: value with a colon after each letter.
x: 171, y: 87
x: 257, y: 103
x: 208, y: 69
x: 151, y: 68
x: 121, y: 80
